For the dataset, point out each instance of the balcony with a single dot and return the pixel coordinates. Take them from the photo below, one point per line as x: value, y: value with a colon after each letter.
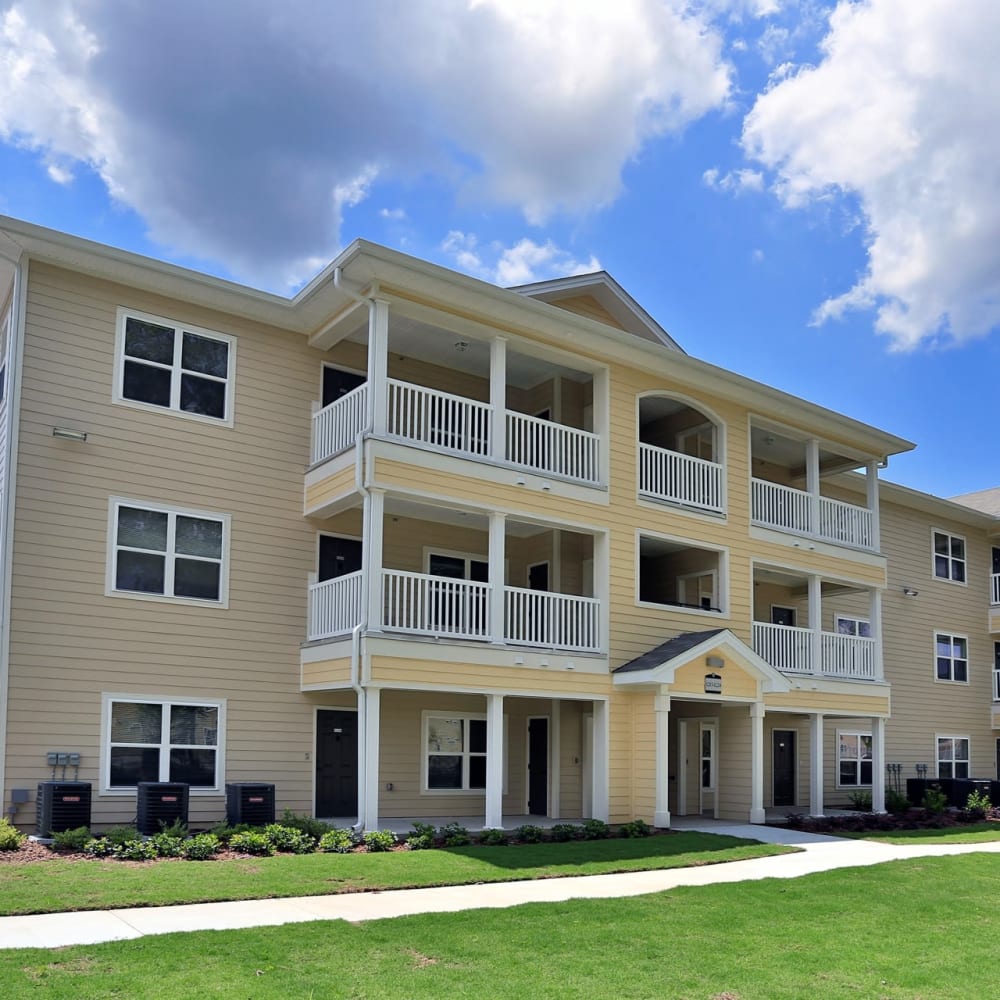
x: 426, y: 605
x: 672, y: 477
x: 995, y: 590
x: 996, y: 685
x: 810, y: 515
x: 794, y: 651
x: 462, y: 427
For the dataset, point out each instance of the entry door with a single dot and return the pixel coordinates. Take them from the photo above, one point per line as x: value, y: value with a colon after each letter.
x: 336, y: 763
x: 338, y: 556
x: 538, y: 767
x: 337, y: 383
x: 783, y: 755
x: 708, y: 738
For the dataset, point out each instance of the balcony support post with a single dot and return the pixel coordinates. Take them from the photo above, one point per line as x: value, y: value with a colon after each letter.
x: 871, y: 489
x: 816, y: 765
x: 661, y: 707
x: 497, y: 593
x: 878, y: 764
x: 757, y: 762
x: 371, y: 555
x: 373, y: 714
x: 498, y: 399
x: 378, y: 365
x: 812, y: 483
x: 816, y: 623
x: 494, y: 761
x: 875, y: 614
x: 555, y: 758
x: 599, y: 795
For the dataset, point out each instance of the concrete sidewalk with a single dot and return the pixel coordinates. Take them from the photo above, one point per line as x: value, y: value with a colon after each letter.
x: 819, y: 853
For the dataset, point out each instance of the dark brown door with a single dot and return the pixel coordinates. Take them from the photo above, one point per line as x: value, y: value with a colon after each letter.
x: 784, y: 767
x: 338, y: 556
x: 538, y: 767
x: 337, y: 383
x: 336, y: 763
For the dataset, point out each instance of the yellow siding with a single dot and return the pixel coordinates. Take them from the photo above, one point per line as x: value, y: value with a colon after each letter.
x: 736, y: 683
x: 823, y: 701
x: 333, y: 487
x: 329, y: 673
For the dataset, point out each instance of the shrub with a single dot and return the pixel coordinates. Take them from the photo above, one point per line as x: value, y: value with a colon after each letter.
x: 493, y: 837
x: 314, y: 828
x: 167, y: 845
x: 562, y: 832
x: 177, y: 829
x: 224, y: 831
x: 99, y: 847
x: 978, y: 803
x: 135, y: 850
x: 251, y: 842
x: 861, y: 801
x: 71, y: 840
x: 120, y: 835
x: 421, y: 837
x: 287, y: 838
x: 422, y: 830
x: 10, y: 837
x: 596, y: 829
x: 202, y: 847
x: 637, y: 828
x: 454, y: 835
x: 935, y: 801
x: 529, y: 834
x: 380, y: 840
x: 337, y: 842
x: 896, y: 802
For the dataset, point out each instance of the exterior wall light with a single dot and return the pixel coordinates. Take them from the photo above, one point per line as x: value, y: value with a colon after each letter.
x: 68, y: 434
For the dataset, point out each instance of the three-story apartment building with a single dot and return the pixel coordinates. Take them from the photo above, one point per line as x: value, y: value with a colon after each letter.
x: 411, y: 545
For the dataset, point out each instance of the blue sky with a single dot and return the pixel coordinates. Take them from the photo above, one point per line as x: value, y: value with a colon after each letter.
x: 801, y: 191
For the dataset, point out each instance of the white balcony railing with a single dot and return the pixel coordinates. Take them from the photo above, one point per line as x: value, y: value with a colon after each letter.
x: 995, y: 595
x: 452, y: 423
x: 791, y: 650
x: 669, y: 475
x: 996, y: 685
x: 334, y: 606
x: 435, y: 605
x: 548, y: 447
x: 789, y: 509
x: 336, y: 426
x: 538, y: 618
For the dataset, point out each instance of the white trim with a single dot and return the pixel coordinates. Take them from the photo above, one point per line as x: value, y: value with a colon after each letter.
x: 469, y: 557
x: 197, y: 701
x: 721, y: 570
x: 861, y: 733
x: 937, y: 750
x: 968, y: 659
x: 427, y: 714
x: 964, y: 560
x: 711, y: 417
x: 712, y: 789
x: 856, y: 620
x: 175, y: 369
x: 169, y: 554
x: 527, y: 763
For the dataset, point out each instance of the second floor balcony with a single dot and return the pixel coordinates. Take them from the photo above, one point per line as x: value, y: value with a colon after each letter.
x: 824, y: 654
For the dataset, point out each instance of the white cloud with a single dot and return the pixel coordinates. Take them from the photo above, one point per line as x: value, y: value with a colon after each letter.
x: 519, y: 264
x: 901, y: 113
x: 392, y: 214
x: 735, y: 181
x: 241, y: 131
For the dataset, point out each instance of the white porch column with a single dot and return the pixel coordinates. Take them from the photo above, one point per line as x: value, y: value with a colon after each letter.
x: 878, y: 764
x: 816, y: 765
x: 498, y: 524
x: 875, y: 616
x: 372, y: 718
x: 494, y: 761
x: 661, y: 706
x: 602, y: 422
x: 555, y: 758
x: 599, y: 798
x: 371, y: 555
x: 757, y: 762
x: 816, y: 623
x: 812, y: 483
x: 602, y: 588
x: 378, y: 363
x: 871, y: 488
x: 498, y: 398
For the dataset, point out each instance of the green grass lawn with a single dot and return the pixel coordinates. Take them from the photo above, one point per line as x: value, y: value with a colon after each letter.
x: 974, y: 833
x: 911, y: 929
x: 51, y: 886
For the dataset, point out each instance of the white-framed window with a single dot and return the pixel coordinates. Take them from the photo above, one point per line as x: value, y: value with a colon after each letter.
x: 163, y: 365
x: 162, y: 739
x: 457, y: 565
x: 848, y: 625
x: 854, y: 759
x: 949, y: 556
x: 454, y: 755
x: 951, y: 657
x: 159, y: 552
x: 952, y: 756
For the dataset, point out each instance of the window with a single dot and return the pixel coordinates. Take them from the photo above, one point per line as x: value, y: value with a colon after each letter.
x: 160, y: 552
x: 455, y: 752
x: 953, y: 756
x: 949, y: 557
x: 175, y: 367
x: 854, y: 759
x: 846, y: 625
x: 151, y: 739
x: 952, y: 657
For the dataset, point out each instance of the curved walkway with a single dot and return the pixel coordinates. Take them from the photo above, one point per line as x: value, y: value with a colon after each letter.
x: 818, y: 854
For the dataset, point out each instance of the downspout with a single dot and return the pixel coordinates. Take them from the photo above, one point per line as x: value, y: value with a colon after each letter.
x: 360, y: 484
